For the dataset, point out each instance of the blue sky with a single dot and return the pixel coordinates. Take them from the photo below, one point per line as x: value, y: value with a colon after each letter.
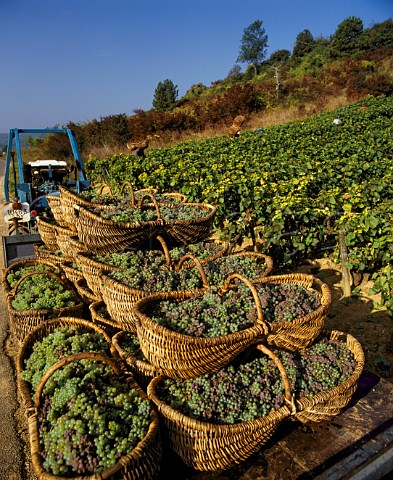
x: 77, y: 60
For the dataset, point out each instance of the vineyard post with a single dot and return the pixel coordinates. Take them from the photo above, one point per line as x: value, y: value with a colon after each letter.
x: 346, y: 276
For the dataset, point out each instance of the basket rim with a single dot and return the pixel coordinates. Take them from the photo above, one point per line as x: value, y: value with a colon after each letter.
x: 219, y: 430
x: 357, y: 350
x: 128, y: 357
x: 254, y: 332
x: 151, y: 436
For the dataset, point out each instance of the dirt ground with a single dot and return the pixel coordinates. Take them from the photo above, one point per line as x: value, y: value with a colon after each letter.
x: 358, y: 315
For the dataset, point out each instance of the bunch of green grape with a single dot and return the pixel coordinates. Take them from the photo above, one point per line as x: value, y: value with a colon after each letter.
x: 89, y: 419
x: 17, y: 273
x: 213, y: 314
x: 63, y: 341
x: 254, y: 388
x: 43, y: 292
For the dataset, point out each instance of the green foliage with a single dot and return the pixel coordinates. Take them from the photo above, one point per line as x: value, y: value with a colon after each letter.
x: 165, y: 96
x: 345, y: 40
x: 287, y: 182
x: 253, y: 46
x: 304, y: 44
x: 279, y: 56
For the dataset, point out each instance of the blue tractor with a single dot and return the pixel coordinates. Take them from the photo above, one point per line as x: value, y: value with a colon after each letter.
x: 27, y: 185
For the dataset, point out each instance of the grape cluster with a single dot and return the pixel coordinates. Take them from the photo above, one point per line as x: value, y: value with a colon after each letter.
x: 127, y: 214
x: 324, y: 365
x: 43, y: 292
x: 212, y: 315
x: 14, y: 275
x: 89, y: 420
x: 130, y: 343
x: 286, y: 301
x: 254, y: 388
x: 60, y: 343
x: 147, y: 271
x: 219, y: 270
x: 200, y: 250
x: 124, y: 211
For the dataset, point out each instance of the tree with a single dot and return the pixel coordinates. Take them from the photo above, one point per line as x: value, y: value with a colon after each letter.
x: 165, y: 96
x: 253, y: 46
x: 279, y: 56
x: 304, y: 44
x: 345, y: 40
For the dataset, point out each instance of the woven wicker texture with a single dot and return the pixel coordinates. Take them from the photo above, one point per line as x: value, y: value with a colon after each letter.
x: 142, y: 370
x: 103, y: 321
x: 84, y: 291
x: 91, y: 269
x: 142, y: 463
x: 327, y: 404
x: 103, y: 236
x: 54, y: 203
x: 73, y: 274
x: 208, y: 447
x: 301, y: 331
x: 183, y: 356
x: 120, y: 299
x: 23, y: 322
x: 67, y: 241
x: 68, y: 199
x: 194, y: 230
x: 42, y: 253
x: 46, y: 229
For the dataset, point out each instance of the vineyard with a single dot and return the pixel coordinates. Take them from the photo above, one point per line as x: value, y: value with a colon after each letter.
x: 291, y: 189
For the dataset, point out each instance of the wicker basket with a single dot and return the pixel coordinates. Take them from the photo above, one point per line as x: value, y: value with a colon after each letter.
x: 57, y: 258
x: 120, y: 299
x: 183, y: 356
x: 327, y: 404
x: 102, y: 236
x: 194, y: 230
x: 68, y: 200
x: 54, y: 203
x: 209, y: 447
x: 31, y: 262
x: 38, y: 334
x: 301, y: 331
x: 73, y: 274
x: 92, y: 268
x: 142, y: 370
x: 85, y: 292
x: 67, y: 241
x: 103, y: 321
x: 23, y: 321
x: 142, y: 463
x: 46, y: 229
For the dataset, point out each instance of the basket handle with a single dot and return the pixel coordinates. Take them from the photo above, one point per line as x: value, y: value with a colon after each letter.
x: 69, y: 359
x: 198, y: 265
x: 222, y: 290
x: 105, y: 185
x: 38, y: 272
x: 289, y: 398
x: 154, y: 201
x: 325, y: 291
x: 128, y: 184
x: 165, y: 248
